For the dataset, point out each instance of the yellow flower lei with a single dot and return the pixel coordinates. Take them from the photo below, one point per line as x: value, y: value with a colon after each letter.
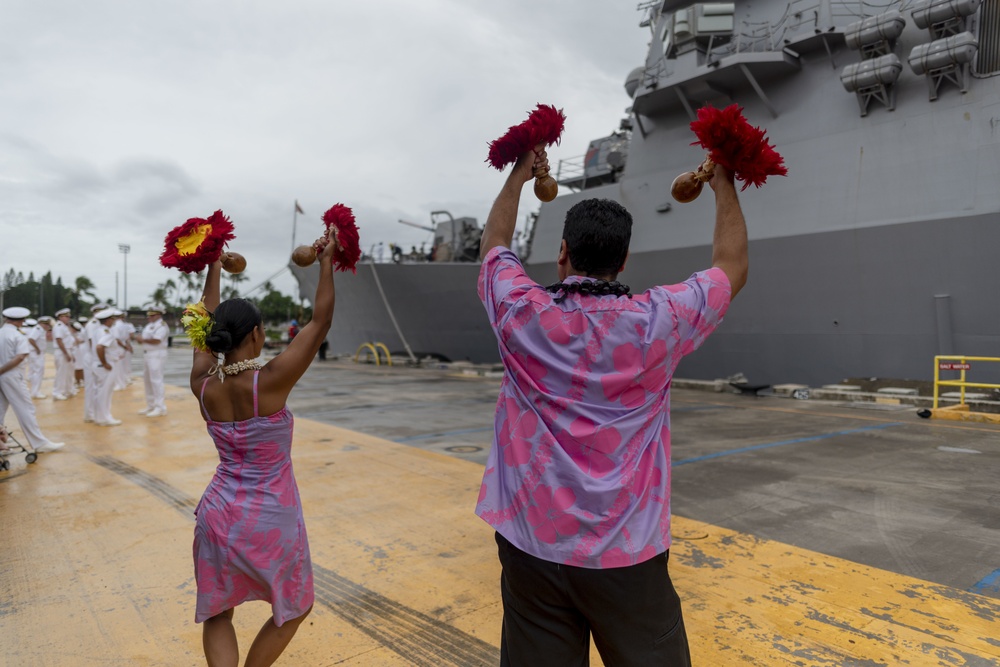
x: 197, y: 322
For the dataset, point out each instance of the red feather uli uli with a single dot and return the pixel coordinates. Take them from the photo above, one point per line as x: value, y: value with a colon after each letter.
x: 543, y: 126
x: 739, y: 147
x: 348, y: 250
x: 197, y: 242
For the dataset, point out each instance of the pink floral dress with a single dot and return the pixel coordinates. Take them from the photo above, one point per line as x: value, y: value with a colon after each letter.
x: 250, y: 539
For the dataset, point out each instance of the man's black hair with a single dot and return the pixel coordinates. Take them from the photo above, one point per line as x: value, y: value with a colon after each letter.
x: 597, y: 234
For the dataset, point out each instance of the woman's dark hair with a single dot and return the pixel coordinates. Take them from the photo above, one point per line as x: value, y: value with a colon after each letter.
x: 231, y: 322
x: 597, y: 233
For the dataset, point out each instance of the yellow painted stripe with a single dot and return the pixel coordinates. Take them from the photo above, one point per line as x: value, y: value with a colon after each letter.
x: 96, y: 564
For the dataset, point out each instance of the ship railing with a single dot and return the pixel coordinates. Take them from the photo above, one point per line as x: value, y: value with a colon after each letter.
x: 961, y: 412
x: 800, y: 17
x: 571, y: 172
x: 654, y: 73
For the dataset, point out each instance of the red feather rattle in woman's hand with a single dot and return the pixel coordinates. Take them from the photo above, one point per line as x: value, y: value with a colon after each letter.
x: 342, y: 230
x: 543, y: 127
x: 733, y: 143
x: 198, y: 242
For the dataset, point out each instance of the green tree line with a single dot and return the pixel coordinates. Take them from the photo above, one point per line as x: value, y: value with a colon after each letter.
x: 275, y: 307
x: 45, y: 296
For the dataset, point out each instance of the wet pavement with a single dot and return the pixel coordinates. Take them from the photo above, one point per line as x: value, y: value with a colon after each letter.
x: 867, y: 482
x: 805, y: 532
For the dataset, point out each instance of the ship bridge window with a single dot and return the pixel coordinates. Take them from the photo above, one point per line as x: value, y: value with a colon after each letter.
x: 988, y: 58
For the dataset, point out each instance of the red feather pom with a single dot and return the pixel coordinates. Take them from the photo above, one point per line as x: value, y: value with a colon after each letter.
x: 544, y: 126
x: 183, y: 251
x: 348, y: 251
x: 739, y: 147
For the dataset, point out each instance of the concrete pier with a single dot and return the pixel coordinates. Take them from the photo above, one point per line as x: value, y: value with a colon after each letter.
x: 806, y: 532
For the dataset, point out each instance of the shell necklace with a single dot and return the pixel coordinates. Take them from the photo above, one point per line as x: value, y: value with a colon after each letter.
x: 240, y: 366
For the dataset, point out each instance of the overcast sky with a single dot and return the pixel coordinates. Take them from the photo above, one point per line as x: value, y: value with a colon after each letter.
x: 119, y: 119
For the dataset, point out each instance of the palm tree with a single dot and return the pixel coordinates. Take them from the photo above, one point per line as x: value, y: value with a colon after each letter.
x: 191, y: 283
x: 170, y: 290
x: 159, y: 297
x: 232, y: 291
x: 84, y: 286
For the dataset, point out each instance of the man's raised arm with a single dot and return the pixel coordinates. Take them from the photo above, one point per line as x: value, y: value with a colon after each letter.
x: 499, y: 230
x: 729, y: 244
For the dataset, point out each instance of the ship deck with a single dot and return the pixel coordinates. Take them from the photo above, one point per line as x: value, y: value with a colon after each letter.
x: 806, y: 532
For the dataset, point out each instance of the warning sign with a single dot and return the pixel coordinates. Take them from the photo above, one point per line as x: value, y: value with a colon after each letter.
x: 948, y: 366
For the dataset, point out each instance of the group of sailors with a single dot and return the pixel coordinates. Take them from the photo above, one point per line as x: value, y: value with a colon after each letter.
x: 93, y: 353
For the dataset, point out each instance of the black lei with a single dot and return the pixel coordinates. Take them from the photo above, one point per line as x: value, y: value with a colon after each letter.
x: 587, y: 287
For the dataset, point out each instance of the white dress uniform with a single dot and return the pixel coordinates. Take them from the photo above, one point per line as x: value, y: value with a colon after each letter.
x: 104, y: 378
x: 36, y: 361
x: 155, y: 357
x: 63, y: 387
x: 130, y: 328
x: 14, y: 393
x: 122, y: 331
x: 78, y: 353
x: 89, y: 386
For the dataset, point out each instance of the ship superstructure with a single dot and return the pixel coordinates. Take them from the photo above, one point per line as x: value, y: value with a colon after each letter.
x: 877, y: 251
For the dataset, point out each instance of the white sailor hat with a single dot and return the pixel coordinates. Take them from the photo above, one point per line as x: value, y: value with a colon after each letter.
x: 116, y: 312
x: 63, y: 311
x: 30, y: 322
x: 16, y: 313
x: 98, y: 306
x: 83, y: 319
x: 105, y: 314
x: 153, y: 308
x: 45, y: 318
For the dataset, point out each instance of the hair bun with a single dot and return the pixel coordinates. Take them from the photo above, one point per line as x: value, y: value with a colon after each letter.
x: 219, y: 340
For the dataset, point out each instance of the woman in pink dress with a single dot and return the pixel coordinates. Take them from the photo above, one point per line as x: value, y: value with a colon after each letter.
x: 250, y: 540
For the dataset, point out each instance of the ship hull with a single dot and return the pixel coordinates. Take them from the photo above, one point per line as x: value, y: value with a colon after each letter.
x: 818, y: 308
x: 435, y: 306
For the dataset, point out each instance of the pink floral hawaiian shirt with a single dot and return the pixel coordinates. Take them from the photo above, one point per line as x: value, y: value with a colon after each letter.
x: 579, y: 472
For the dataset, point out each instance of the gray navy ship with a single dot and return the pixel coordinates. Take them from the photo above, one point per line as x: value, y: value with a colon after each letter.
x: 879, y: 249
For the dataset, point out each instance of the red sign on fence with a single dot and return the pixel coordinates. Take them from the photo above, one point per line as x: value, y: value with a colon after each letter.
x: 948, y: 366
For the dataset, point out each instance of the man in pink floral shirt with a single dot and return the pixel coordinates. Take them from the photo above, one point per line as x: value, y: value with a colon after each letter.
x: 577, y: 484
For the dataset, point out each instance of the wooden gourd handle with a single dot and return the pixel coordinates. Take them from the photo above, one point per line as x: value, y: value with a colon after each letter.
x: 688, y: 185
x: 233, y: 262
x: 546, y: 187
x: 306, y: 255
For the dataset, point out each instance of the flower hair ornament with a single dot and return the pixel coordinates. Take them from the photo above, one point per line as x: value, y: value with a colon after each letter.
x: 197, y: 323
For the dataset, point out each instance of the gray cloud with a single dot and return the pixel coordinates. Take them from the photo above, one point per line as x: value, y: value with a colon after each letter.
x: 121, y: 120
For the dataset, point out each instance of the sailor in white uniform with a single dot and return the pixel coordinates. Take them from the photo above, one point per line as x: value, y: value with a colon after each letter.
x: 107, y: 352
x: 14, y: 349
x: 154, y: 338
x: 123, y: 367
x: 80, y: 352
x: 38, y: 338
x: 64, y: 343
x: 89, y: 388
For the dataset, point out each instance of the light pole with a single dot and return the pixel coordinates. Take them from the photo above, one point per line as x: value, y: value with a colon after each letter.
x: 124, y: 248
